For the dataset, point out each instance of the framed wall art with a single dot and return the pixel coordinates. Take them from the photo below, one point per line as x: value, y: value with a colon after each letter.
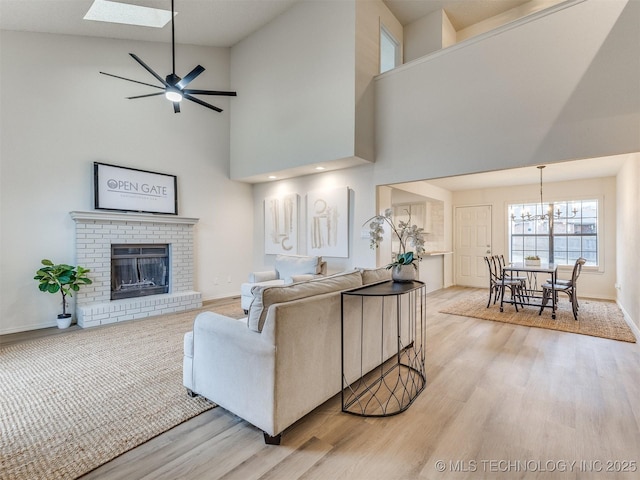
x: 281, y: 224
x: 132, y: 190
x: 328, y: 222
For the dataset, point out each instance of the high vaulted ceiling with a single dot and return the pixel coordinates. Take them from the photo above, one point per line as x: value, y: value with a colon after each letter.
x: 220, y: 23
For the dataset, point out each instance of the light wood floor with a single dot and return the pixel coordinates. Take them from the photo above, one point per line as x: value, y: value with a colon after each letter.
x: 502, y: 401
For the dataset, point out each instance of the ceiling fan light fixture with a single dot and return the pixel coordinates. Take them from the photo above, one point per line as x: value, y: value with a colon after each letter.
x: 173, y: 95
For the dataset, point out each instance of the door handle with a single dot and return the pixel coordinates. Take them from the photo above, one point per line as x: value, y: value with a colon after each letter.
x: 488, y: 251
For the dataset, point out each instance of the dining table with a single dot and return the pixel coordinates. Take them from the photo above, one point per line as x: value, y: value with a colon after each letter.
x: 532, y: 290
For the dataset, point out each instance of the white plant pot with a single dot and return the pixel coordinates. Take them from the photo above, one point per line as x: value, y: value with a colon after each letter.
x: 403, y: 273
x: 532, y: 263
x: 64, y: 321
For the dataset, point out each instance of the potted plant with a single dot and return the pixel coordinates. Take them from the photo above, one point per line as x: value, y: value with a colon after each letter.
x: 532, y: 260
x: 404, y: 266
x: 62, y: 278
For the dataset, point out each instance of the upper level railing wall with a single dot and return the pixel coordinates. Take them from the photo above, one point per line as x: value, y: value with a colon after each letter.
x: 560, y: 84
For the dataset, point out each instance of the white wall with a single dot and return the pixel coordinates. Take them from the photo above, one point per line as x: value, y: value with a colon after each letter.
x: 596, y: 283
x: 296, y: 90
x: 627, y: 245
x: 59, y: 115
x: 505, y: 17
x: 435, y: 31
x: 370, y: 15
x: 428, y: 34
x: 559, y: 87
x: 362, y: 206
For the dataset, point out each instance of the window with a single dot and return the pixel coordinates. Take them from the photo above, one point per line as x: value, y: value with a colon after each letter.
x: 389, y: 51
x: 572, y: 232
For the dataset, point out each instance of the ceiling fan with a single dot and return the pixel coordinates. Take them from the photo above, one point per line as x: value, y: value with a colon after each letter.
x: 173, y: 86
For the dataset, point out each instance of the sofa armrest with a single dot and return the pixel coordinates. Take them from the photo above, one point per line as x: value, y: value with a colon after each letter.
x: 235, y: 368
x: 257, y: 277
x: 227, y: 338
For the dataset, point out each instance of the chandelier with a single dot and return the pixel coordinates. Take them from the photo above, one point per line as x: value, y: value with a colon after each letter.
x: 550, y: 215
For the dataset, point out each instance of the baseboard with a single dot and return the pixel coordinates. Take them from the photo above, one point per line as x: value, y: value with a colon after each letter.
x: 27, y: 328
x: 214, y: 301
x: 627, y: 318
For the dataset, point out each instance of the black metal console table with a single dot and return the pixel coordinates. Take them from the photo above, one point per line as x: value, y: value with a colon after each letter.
x: 383, y: 347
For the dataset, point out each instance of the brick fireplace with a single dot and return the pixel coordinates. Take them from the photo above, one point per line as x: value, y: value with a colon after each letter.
x: 97, y: 231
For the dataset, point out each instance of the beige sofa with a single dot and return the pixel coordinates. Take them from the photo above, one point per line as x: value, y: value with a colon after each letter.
x: 284, y: 360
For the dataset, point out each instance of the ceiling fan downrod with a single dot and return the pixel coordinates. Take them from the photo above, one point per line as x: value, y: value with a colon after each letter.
x: 173, y: 40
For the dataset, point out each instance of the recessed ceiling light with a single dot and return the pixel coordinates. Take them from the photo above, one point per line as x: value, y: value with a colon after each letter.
x: 116, y: 12
x: 272, y: 177
x: 320, y: 168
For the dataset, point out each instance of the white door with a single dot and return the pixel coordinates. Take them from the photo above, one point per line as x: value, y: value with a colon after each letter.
x: 472, y: 244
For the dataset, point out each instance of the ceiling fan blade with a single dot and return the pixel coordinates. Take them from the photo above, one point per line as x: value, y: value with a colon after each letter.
x: 176, y: 107
x: 210, y: 92
x: 190, y: 76
x: 130, y: 80
x: 148, y: 95
x: 200, y: 102
x: 148, y: 69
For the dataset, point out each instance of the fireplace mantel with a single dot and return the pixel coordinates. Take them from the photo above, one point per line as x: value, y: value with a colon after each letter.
x: 131, y: 217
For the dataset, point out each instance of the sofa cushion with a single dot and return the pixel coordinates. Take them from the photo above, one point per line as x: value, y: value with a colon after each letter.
x: 289, y: 265
x: 302, y: 278
x: 374, y: 275
x: 264, y: 297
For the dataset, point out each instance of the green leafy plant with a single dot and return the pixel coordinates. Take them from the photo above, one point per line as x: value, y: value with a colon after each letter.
x: 532, y: 257
x: 62, y: 278
x: 408, y: 235
x: 403, y: 259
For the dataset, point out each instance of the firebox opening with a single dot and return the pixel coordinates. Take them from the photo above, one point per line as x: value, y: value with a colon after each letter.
x: 139, y: 270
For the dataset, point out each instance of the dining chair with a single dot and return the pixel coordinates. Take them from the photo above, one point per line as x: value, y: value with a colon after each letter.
x: 496, y: 283
x: 570, y: 287
x: 493, y: 285
x: 511, y: 280
x: 501, y: 265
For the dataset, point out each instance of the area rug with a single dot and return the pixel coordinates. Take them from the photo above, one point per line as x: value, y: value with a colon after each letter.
x: 596, y: 318
x: 71, y: 402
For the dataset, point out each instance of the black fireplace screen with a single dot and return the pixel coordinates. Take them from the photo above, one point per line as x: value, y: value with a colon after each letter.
x: 139, y: 270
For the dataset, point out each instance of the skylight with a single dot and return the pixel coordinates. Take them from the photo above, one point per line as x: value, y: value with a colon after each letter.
x: 116, y: 12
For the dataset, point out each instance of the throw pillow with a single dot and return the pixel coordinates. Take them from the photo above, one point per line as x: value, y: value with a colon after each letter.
x: 289, y: 265
x: 375, y: 275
